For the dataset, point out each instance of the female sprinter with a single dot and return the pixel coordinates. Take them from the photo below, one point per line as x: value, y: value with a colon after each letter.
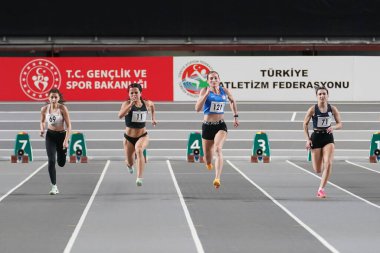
x: 214, y: 130
x: 321, y: 141
x: 135, y: 112
x: 56, y: 114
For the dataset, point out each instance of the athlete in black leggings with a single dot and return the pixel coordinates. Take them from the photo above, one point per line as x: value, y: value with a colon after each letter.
x: 56, y: 115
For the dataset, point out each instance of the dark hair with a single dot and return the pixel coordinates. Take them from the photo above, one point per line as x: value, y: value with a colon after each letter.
x: 55, y: 90
x: 321, y: 88
x: 136, y: 85
x: 212, y: 72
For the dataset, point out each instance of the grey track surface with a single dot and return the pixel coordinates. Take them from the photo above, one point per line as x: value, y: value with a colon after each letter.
x: 33, y: 221
x: 236, y: 218
x: 125, y: 218
x: 337, y: 218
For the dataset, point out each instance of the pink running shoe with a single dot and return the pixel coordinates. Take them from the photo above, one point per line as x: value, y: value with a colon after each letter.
x: 321, y: 194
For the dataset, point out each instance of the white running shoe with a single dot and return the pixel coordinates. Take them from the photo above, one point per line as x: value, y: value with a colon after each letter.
x: 54, y: 190
x: 139, y: 181
x: 130, y: 168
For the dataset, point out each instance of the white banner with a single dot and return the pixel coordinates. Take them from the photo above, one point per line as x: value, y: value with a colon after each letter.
x: 348, y: 78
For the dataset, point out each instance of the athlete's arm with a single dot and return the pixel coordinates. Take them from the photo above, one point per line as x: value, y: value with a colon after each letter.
x: 125, y: 108
x: 43, y: 121
x: 202, y: 99
x: 153, y: 112
x: 66, y: 116
x: 338, y: 121
x: 306, y: 121
x: 233, y: 106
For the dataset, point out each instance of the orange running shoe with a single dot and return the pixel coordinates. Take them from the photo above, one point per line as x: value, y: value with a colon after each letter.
x: 216, y: 183
x: 209, y: 166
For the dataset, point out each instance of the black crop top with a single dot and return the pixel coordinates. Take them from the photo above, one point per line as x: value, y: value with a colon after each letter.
x: 137, y: 116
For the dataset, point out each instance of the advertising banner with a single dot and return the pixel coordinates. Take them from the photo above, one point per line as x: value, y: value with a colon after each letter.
x: 280, y: 78
x: 85, y: 78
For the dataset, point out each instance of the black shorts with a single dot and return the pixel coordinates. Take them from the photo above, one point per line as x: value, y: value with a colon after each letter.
x: 210, y: 129
x: 321, y: 139
x: 133, y: 140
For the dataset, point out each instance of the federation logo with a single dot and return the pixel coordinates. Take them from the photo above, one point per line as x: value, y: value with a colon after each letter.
x: 193, y: 77
x: 38, y: 77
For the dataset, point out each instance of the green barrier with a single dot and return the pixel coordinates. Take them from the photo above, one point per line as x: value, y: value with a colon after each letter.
x: 77, y: 148
x: 374, y: 153
x: 194, y: 148
x: 23, y: 149
x: 260, y: 148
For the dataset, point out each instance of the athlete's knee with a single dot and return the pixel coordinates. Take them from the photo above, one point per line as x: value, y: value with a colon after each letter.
x: 139, y: 150
x: 218, y: 150
x: 317, y: 169
x: 327, y: 164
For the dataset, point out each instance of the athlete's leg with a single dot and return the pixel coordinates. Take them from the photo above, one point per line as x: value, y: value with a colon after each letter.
x: 316, y: 158
x: 328, y: 156
x: 61, y: 152
x: 219, y: 140
x: 129, y: 151
x: 141, y: 144
x: 51, y: 153
x: 208, y: 150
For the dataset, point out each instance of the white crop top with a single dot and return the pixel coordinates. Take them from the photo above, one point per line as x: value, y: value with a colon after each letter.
x: 54, y: 118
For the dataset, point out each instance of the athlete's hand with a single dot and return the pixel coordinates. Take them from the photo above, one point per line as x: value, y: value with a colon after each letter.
x: 236, y: 122
x: 42, y: 133
x: 65, y: 144
x: 154, y: 122
x: 308, y: 144
x: 208, y: 89
x: 330, y: 130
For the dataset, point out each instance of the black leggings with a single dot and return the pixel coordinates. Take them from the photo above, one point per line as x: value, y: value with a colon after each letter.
x: 54, y: 145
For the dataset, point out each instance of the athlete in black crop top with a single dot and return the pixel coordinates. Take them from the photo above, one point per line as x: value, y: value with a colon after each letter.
x: 321, y: 141
x: 135, y: 112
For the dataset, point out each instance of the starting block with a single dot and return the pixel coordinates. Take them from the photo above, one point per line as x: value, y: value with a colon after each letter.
x: 194, y: 148
x: 260, y: 148
x: 23, y: 149
x: 374, y: 153
x: 77, y: 148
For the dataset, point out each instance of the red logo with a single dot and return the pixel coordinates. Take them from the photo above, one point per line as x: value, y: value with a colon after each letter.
x: 38, y: 77
x: 194, y: 77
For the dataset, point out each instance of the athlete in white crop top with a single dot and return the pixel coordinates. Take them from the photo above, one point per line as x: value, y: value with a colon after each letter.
x: 56, y: 115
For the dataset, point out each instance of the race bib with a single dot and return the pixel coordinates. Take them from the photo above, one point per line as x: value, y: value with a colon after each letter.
x: 324, y: 122
x: 217, y: 107
x: 139, y: 116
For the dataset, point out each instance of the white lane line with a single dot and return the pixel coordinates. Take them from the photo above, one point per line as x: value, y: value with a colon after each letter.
x: 293, y: 116
x: 336, y: 186
x: 361, y: 166
x: 194, y: 233
x: 287, y: 211
x: 73, y: 237
x: 23, y: 182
